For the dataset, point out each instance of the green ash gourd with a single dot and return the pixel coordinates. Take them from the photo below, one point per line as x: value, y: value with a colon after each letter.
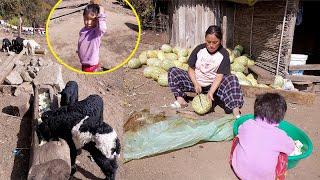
x: 201, y: 104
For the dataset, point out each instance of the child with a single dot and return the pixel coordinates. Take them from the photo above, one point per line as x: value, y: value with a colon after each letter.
x: 90, y: 37
x: 261, y: 144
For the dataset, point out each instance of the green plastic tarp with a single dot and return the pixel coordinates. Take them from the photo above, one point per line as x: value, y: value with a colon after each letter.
x: 175, y: 133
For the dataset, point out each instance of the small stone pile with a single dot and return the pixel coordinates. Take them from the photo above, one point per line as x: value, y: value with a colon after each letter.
x: 35, y: 70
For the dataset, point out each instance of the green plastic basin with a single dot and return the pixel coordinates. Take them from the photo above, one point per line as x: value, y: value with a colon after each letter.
x: 294, y: 132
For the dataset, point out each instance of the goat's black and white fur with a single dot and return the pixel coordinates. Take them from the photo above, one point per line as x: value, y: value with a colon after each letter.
x: 69, y: 94
x: 17, y: 45
x: 83, y: 129
x: 6, y: 44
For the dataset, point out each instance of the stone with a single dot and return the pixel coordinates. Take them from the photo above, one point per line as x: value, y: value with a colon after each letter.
x: 14, y: 78
x: 29, y: 68
x: 25, y: 87
x: 50, y: 75
x: 33, y: 61
x: 42, y: 62
x: 7, y: 89
x: 20, y: 107
x: 36, y: 69
x: 19, y: 63
x: 25, y: 76
x: 32, y: 74
x: 27, y: 61
x: 18, y: 68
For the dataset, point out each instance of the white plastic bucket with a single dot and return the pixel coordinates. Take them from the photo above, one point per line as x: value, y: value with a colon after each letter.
x: 298, y: 59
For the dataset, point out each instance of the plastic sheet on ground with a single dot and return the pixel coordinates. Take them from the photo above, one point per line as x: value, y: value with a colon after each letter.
x: 175, y: 133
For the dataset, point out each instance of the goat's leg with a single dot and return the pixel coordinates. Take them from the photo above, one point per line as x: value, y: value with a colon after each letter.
x: 73, y: 156
x: 107, y: 166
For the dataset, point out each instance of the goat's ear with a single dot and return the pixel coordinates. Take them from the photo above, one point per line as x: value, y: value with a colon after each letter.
x: 45, y: 115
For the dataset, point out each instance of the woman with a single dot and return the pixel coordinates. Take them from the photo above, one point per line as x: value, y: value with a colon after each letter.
x: 209, y: 72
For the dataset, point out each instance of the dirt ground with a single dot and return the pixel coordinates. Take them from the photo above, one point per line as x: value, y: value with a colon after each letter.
x: 116, y: 45
x: 125, y: 91
x: 206, y: 160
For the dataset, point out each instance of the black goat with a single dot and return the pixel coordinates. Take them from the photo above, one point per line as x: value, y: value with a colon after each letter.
x: 82, y: 126
x: 69, y: 94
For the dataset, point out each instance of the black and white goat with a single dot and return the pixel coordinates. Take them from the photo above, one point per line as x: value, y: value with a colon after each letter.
x: 69, y: 95
x: 82, y: 127
x: 17, y: 45
x: 6, y: 44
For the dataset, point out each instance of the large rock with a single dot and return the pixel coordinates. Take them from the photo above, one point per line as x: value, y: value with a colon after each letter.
x: 20, y: 107
x: 34, y: 61
x: 44, y: 62
x: 19, y: 63
x: 18, y: 68
x: 24, y: 88
x: 7, y: 89
x: 50, y: 75
x: 25, y: 76
x: 14, y: 78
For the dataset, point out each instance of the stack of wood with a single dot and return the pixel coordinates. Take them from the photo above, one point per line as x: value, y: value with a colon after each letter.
x: 313, y: 82
x: 266, y: 77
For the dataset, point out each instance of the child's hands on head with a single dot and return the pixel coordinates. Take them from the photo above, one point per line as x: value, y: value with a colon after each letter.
x: 101, y: 9
x: 99, y: 3
x: 95, y: 2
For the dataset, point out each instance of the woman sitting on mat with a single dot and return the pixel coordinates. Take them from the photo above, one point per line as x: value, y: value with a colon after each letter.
x: 209, y: 72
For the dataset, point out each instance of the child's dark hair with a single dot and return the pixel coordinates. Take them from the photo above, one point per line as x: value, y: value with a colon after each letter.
x: 92, y: 9
x: 270, y: 107
x: 216, y: 30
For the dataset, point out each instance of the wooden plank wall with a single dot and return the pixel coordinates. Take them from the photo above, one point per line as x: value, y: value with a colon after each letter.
x: 189, y: 19
x: 267, y: 20
x: 289, y: 33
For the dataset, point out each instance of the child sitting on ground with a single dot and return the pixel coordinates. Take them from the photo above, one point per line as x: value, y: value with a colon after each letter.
x: 90, y: 37
x: 260, y: 150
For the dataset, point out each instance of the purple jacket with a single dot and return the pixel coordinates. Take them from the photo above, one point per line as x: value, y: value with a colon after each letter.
x: 256, y: 155
x: 90, y: 40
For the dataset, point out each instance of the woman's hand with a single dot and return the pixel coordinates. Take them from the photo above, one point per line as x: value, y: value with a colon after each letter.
x: 210, y: 95
x: 196, y: 85
x: 197, y: 88
x: 214, y: 86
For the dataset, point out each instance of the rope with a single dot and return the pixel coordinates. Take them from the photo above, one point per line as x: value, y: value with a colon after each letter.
x: 280, y: 46
x: 234, y: 22
x: 67, y: 14
x: 251, y: 31
x: 72, y: 6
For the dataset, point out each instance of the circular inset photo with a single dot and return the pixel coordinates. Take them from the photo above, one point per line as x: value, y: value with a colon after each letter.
x: 93, y: 37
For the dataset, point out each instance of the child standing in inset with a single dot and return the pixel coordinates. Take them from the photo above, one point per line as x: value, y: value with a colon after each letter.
x: 260, y: 150
x: 90, y: 37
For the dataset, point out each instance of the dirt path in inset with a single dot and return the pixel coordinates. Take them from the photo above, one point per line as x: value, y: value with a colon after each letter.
x: 116, y: 45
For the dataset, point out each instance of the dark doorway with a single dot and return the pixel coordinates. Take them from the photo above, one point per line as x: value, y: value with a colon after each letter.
x: 307, y: 33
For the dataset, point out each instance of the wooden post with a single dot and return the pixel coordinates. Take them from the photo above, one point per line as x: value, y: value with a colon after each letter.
x: 51, y: 160
x: 224, y: 31
x: 40, y: 51
x: 20, y: 25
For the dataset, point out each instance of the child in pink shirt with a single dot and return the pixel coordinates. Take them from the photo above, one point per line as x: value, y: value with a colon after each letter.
x: 90, y: 37
x: 260, y: 142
